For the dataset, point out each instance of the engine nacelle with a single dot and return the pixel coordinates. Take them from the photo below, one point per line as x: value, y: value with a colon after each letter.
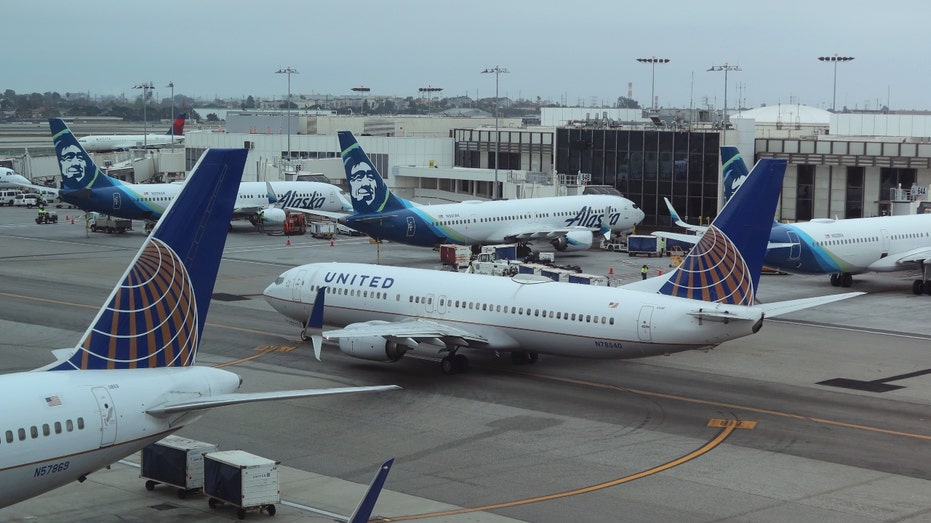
x: 574, y: 241
x: 374, y: 348
x: 272, y: 217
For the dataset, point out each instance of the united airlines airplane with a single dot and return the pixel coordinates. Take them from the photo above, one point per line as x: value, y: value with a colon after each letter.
x: 568, y: 222
x: 84, y: 185
x: 122, y: 142
x: 131, y: 379
x: 709, y: 299
x: 842, y: 248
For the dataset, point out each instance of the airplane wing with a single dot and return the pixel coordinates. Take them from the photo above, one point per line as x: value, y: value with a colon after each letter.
x: 688, y: 238
x: 779, y: 308
x: 897, y: 260
x: 678, y: 221
x: 334, y: 216
x: 411, y: 333
x: 543, y: 233
x: 223, y: 400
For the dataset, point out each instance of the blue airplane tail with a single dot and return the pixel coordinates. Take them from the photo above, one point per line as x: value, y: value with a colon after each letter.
x: 367, y: 189
x: 725, y: 264
x: 155, y: 315
x: 734, y: 170
x: 78, y: 170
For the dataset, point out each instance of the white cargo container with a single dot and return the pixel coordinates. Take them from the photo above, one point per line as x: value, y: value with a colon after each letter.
x: 241, y: 479
x: 177, y: 462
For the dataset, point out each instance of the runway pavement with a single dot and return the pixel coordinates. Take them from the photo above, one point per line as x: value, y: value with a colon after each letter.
x: 833, y: 403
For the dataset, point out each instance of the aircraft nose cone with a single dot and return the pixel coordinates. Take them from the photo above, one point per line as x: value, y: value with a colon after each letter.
x: 276, y: 291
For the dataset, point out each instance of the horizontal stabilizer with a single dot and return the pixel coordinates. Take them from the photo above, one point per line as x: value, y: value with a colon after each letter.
x: 223, y: 400
x: 784, y: 307
x: 334, y: 216
x: 726, y: 315
x: 691, y: 239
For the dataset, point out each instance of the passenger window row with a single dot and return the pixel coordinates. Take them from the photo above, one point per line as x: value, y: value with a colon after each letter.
x: 20, y: 434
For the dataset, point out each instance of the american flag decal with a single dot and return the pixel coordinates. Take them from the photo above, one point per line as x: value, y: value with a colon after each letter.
x: 53, y: 401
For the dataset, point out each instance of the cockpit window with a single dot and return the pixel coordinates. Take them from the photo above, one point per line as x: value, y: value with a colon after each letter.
x: 279, y: 280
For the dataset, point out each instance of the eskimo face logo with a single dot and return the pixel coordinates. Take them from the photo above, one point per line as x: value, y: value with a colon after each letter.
x: 73, y: 164
x: 363, y: 184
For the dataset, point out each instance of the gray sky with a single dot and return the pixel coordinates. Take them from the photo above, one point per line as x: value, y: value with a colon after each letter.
x: 569, y: 52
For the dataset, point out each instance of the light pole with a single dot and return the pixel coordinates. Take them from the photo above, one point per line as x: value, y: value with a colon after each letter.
x: 288, y: 71
x: 653, y: 61
x: 726, y: 68
x: 497, y: 70
x: 428, y: 92
x: 172, y: 86
x: 835, y: 59
x: 146, y: 87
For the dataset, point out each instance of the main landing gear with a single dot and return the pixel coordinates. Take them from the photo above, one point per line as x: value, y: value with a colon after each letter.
x: 458, y: 363
x: 922, y: 286
x: 844, y: 279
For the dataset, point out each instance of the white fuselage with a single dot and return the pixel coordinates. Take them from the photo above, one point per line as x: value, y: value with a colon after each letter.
x: 58, y: 426
x: 889, y: 243
x: 115, y: 142
x: 10, y: 179
x: 567, y: 319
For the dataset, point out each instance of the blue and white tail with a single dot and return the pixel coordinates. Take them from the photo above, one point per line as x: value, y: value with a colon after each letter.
x: 78, y: 170
x: 725, y: 264
x: 734, y: 170
x: 155, y: 315
x: 367, y: 189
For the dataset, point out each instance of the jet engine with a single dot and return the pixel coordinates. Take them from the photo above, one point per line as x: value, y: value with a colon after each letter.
x: 574, y: 241
x: 273, y: 216
x: 374, y: 348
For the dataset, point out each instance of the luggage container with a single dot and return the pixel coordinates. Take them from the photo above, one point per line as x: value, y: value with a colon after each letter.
x: 177, y: 462
x: 241, y: 479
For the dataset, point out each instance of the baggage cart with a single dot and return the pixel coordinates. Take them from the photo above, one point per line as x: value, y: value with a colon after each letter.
x: 241, y: 479
x: 177, y: 462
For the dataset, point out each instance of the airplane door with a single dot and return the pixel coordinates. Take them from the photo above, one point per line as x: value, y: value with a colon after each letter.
x: 107, y: 416
x: 646, y: 316
x: 117, y: 200
x: 796, y: 250
x: 428, y: 303
x: 297, y: 284
x: 885, y: 239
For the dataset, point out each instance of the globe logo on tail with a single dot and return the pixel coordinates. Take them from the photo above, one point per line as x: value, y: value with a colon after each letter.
x: 714, y: 271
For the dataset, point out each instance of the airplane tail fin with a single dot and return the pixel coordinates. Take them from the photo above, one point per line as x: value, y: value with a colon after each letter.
x: 367, y: 189
x: 363, y: 511
x: 77, y: 169
x: 734, y: 170
x: 177, y: 128
x: 725, y: 264
x: 155, y: 315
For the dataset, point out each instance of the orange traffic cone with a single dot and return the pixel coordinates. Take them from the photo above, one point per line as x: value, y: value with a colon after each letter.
x: 289, y: 242
x: 331, y: 242
x: 72, y: 221
x: 67, y: 218
x: 611, y: 270
x: 659, y: 272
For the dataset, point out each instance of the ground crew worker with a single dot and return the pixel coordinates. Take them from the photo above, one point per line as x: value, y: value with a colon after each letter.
x: 643, y: 272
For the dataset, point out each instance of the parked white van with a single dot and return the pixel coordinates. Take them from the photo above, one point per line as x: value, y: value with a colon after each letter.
x: 8, y: 195
x: 27, y: 200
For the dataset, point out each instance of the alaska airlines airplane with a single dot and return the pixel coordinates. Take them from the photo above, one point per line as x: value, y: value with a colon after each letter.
x: 131, y: 379
x: 568, y: 222
x: 122, y: 142
x: 87, y: 187
x: 842, y: 248
x: 708, y: 300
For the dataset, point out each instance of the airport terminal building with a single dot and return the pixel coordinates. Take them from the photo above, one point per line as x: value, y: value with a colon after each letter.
x: 844, y: 165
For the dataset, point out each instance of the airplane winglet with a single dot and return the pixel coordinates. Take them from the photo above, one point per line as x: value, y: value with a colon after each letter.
x: 363, y: 511
x: 272, y: 197
x: 606, y: 223
x: 315, y: 323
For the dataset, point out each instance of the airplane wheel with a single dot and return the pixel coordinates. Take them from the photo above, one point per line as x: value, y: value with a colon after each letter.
x: 304, y: 336
x: 835, y: 280
x: 918, y: 287
x: 454, y: 364
x: 447, y: 366
x: 846, y: 279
